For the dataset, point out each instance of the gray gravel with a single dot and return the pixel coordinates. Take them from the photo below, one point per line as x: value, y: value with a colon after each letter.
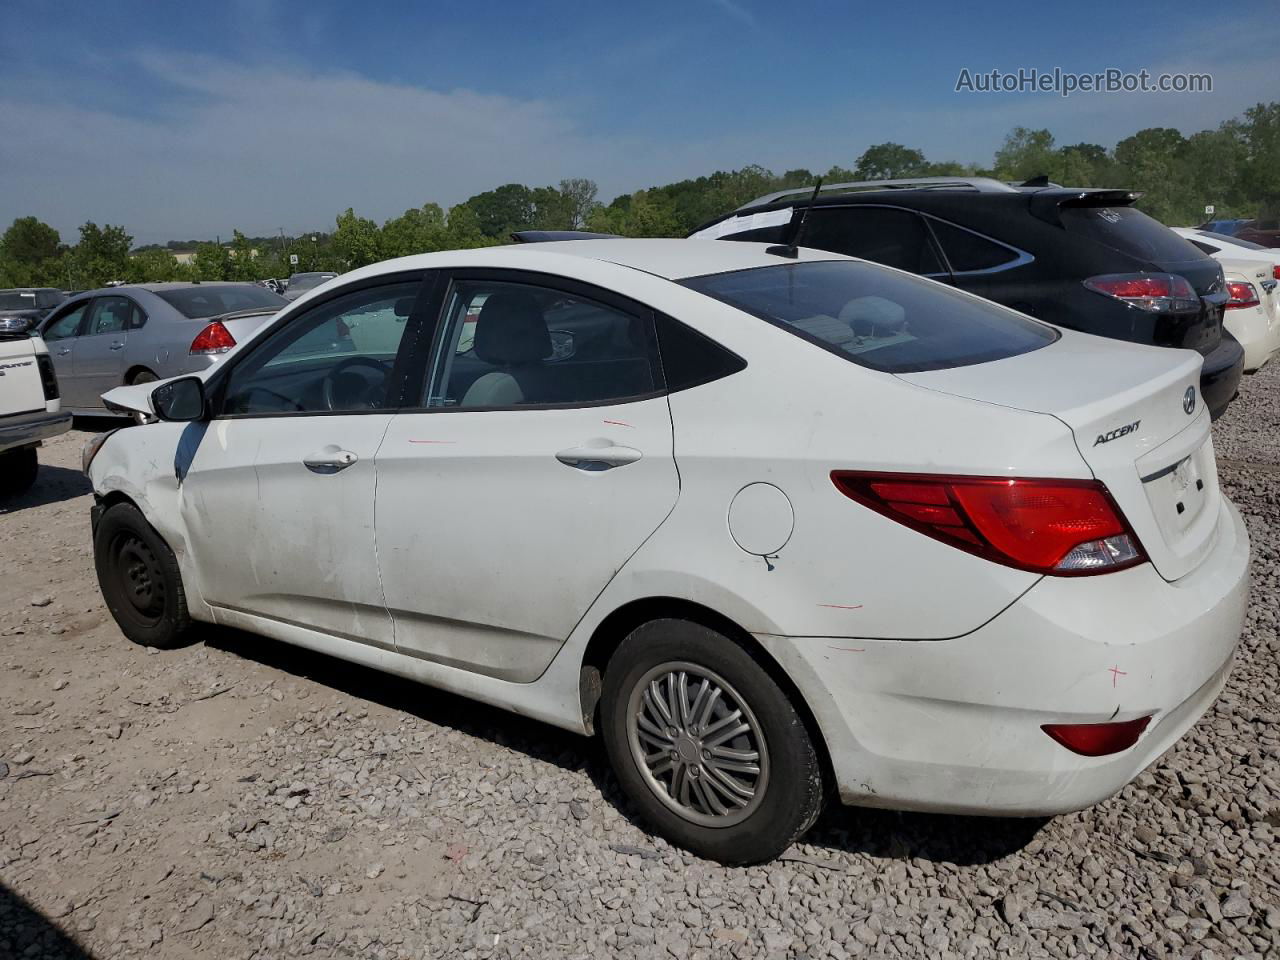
x: 242, y: 799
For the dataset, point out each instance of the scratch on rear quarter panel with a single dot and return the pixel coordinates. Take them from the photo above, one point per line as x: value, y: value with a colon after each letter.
x: 841, y: 606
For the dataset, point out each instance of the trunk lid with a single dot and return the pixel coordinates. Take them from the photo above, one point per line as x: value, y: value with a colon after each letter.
x: 1127, y: 406
x: 21, y: 390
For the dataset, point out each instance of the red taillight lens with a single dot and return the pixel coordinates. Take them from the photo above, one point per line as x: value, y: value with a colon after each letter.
x: 1062, y: 527
x: 1242, y: 295
x: 1097, y: 739
x: 1156, y: 292
x: 1275, y: 271
x: 215, y: 338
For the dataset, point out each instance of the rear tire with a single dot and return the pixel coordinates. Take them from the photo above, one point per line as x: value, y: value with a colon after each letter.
x: 18, y: 469
x: 139, y: 578
x: 672, y: 692
x: 142, y: 376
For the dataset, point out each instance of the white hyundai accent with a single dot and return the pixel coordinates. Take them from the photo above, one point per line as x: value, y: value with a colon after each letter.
x: 775, y: 526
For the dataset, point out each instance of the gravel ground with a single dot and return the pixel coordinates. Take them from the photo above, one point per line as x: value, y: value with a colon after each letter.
x: 241, y: 799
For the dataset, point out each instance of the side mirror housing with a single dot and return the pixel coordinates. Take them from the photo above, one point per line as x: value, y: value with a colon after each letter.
x: 180, y: 400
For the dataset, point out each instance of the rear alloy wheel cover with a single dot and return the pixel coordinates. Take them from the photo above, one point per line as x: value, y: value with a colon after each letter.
x: 697, y: 744
x: 140, y: 579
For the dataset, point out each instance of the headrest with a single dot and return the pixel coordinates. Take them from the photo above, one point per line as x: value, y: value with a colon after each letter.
x: 874, y: 316
x: 511, y: 330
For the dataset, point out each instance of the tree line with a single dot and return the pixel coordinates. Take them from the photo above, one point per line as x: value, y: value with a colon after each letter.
x: 1235, y: 167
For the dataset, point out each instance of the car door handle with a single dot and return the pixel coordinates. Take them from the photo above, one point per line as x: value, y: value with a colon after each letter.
x: 329, y: 460
x: 63, y: 352
x: 116, y: 346
x: 599, y: 454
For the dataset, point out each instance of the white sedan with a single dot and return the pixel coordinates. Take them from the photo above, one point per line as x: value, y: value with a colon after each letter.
x: 776, y: 524
x: 1252, y: 273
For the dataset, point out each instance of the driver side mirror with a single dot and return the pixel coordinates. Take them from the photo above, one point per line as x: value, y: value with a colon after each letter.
x: 179, y: 400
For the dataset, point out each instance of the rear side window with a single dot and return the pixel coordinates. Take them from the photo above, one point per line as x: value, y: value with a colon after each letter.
x: 877, y: 319
x: 896, y: 238
x: 968, y: 252
x: 1128, y: 231
x: 689, y: 359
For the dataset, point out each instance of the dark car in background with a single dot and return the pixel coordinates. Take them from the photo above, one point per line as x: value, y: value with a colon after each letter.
x: 21, y: 308
x: 301, y: 283
x: 1265, y: 233
x: 1084, y: 259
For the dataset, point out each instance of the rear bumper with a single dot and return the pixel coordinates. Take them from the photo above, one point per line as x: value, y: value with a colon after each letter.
x: 1259, y: 338
x: 1220, y: 375
x: 26, y: 429
x: 954, y: 725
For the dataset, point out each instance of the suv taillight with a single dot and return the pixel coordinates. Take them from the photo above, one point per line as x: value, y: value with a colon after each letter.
x: 1275, y: 271
x: 48, y: 379
x: 1060, y: 527
x: 215, y: 338
x: 1156, y: 292
x: 1243, y: 294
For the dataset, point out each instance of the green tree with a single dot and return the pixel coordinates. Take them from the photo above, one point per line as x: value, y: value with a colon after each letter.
x: 244, y: 258
x: 889, y: 161
x: 356, y: 240
x: 1025, y: 154
x: 212, y: 262
x: 101, y: 255
x: 1259, y: 133
x: 1151, y: 161
x: 500, y: 211
x: 29, y: 252
x: 417, y: 230
x: 153, y: 265
x: 580, y: 200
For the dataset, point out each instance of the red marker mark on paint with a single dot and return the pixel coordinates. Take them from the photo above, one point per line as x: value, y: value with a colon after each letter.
x: 841, y: 606
x: 617, y: 423
x: 1115, y: 673
x: 433, y: 441
x: 848, y: 649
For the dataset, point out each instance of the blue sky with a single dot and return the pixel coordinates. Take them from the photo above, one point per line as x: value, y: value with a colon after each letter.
x: 185, y: 120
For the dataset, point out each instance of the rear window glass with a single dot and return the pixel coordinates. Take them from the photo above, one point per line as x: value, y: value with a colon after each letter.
x: 17, y: 301
x: 1129, y: 231
x: 885, y: 321
x: 203, y: 301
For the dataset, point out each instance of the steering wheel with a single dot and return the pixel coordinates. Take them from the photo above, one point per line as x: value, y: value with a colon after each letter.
x: 355, y: 384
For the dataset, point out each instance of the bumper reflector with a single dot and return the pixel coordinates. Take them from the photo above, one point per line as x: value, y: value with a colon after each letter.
x: 1097, y: 739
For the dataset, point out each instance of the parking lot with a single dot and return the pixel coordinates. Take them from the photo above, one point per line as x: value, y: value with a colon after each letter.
x: 240, y: 798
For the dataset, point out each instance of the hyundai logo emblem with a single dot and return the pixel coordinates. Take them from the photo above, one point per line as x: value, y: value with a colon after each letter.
x: 1189, y: 400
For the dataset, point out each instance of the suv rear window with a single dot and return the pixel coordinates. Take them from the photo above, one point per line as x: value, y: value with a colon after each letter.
x: 206, y: 300
x: 887, y: 321
x: 1129, y: 231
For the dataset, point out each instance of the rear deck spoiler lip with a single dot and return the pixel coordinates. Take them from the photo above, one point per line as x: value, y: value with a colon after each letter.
x: 1047, y: 204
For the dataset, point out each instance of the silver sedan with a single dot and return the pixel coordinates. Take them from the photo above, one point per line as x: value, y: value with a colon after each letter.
x: 116, y: 336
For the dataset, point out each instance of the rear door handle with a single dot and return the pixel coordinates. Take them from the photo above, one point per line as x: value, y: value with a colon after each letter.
x: 329, y: 460
x: 116, y: 346
x: 64, y: 351
x: 598, y: 454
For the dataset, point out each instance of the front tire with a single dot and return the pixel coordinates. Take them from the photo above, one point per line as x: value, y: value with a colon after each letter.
x: 707, y: 745
x: 18, y: 469
x: 139, y: 578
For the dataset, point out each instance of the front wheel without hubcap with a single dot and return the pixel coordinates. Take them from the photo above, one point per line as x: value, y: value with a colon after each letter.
x: 707, y: 744
x: 139, y: 578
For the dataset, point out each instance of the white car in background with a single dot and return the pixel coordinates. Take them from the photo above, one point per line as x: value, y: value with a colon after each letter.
x: 776, y: 524
x: 1252, y: 273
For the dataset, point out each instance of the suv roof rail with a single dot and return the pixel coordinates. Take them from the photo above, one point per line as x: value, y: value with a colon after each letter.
x: 976, y: 184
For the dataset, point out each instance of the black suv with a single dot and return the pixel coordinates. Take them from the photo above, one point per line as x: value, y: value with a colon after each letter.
x: 1079, y: 258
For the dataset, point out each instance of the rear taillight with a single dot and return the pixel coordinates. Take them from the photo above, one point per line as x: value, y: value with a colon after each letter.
x: 48, y: 379
x: 1275, y: 272
x: 1243, y: 294
x: 1060, y: 527
x: 215, y: 338
x: 1156, y: 292
x: 1097, y: 739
